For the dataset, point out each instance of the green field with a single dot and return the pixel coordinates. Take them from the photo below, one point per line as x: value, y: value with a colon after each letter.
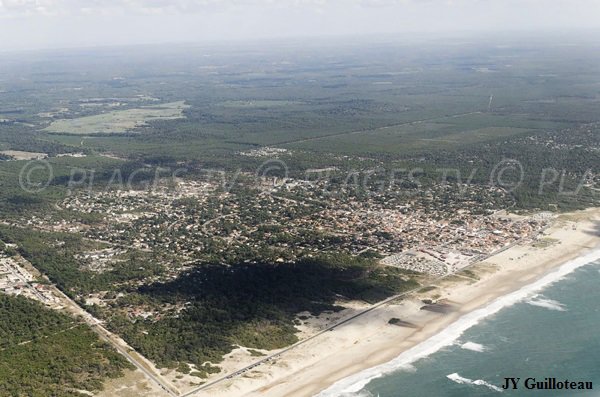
x: 118, y: 121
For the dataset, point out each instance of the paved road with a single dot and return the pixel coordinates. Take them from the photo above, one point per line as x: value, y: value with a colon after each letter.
x: 113, y: 340
x: 106, y: 336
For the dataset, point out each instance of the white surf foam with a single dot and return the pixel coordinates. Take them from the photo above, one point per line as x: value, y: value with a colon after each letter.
x: 476, y: 347
x: 459, y: 379
x: 546, y: 303
x: 362, y: 393
x: 447, y: 337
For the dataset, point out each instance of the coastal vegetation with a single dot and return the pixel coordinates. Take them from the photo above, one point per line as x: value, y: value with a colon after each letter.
x: 45, y: 353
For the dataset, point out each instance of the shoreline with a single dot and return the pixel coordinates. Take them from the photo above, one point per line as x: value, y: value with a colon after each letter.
x: 454, y: 331
x: 346, y: 358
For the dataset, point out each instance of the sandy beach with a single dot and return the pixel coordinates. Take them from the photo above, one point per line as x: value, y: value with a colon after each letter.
x: 371, y: 340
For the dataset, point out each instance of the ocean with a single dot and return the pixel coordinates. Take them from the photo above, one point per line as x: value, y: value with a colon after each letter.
x: 549, y: 329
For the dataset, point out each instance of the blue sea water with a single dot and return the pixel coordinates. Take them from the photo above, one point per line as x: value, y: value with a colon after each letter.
x: 551, y: 329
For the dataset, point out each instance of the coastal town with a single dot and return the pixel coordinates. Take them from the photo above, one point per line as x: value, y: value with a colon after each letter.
x: 184, y: 223
x: 434, y: 231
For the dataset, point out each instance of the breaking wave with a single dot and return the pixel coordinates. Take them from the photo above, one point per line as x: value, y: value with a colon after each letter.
x: 452, y: 333
x: 459, y: 379
x: 476, y: 347
x: 546, y: 303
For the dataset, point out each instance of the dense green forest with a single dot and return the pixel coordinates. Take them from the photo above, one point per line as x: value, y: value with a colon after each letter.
x: 44, y: 353
x: 214, y: 307
x: 249, y: 305
x: 469, y: 114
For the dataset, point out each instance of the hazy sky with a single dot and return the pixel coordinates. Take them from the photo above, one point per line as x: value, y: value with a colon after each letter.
x: 26, y: 24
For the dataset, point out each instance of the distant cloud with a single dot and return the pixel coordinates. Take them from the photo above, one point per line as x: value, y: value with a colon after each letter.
x: 141, y: 7
x: 31, y: 7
